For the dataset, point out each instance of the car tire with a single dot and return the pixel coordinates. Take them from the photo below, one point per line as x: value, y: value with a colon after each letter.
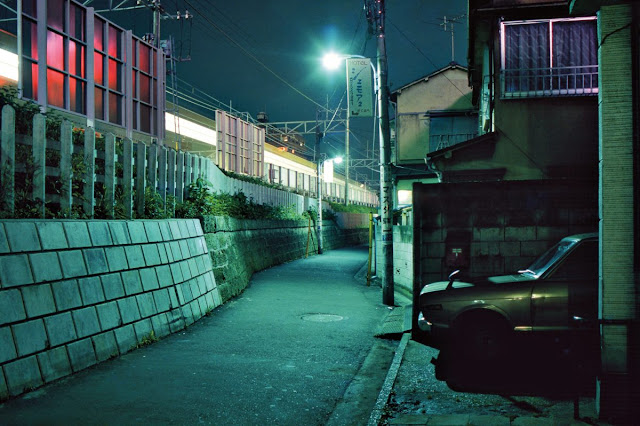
x: 483, y: 339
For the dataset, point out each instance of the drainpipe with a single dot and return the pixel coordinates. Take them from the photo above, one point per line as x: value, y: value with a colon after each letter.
x: 635, y: 76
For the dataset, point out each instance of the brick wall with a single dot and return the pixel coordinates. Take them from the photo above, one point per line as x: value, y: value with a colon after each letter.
x: 75, y: 293
x: 494, y: 228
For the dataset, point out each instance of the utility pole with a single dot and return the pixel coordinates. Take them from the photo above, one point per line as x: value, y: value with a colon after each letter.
x: 376, y: 15
x: 444, y: 27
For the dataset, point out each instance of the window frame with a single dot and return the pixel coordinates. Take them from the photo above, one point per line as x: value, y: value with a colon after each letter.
x: 545, y: 92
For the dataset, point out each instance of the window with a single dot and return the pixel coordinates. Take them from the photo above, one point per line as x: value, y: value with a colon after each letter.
x: 556, y: 57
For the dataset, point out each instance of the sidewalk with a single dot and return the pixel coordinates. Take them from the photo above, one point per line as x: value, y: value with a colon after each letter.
x: 283, y: 352
x: 417, y: 398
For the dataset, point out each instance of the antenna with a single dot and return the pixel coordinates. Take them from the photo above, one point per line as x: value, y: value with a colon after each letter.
x: 451, y: 21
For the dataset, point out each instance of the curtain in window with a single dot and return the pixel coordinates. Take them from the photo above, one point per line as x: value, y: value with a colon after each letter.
x: 526, y: 57
x: 575, y: 58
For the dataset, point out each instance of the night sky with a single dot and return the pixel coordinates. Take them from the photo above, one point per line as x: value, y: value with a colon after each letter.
x: 241, y: 51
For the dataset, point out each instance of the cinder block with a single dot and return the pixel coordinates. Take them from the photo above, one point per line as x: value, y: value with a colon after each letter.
x: 96, y: 261
x: 4, y: 390
x: 149, y: 279
x: 131, y: 281
x: 22, y: 375
x: 146, y: 305
x: 193, y: 267
x: 22, y: 236
x: 217, y: 297
x: 112, y: 286
x: 491, y: 234
x: 196, y: 309
x: 30, y: 337
x: 184, y: 248
x: 11, y: 307
x: 184, y: 229
x: 165, y: 278
x: 134, y: 256
x: 52, y: 235
x: 99, y: 233
x: 77, y: 234
x: 173, y: 297
x: 186, y: 271
x: 187, y: 314
x: 46, y: 266
x: 4, y: 243
x: 199, y: 265
x: 91, y: 290
x: 191, y: 226
x: 105, y: 346
x: 109, y: 315
x: 164, y: 258
x: 137, y: 232
x: 119, y: 232
x: 209, y: 281
x: 60, y: 329
x: 176, y: 233
x: 510, y: 248
x: 161, y: 299
x: 153, y: 231
x: 169, y: 253
x: 7, y: 347
x: 176, y: 321
x: 151, y: 255
x: 128, y: 310
x: 176, y: 272
x: 176, y: 251
x: 116, y: 258
x: 210, y: 302
x: 72, y: 263
x: 54, y: 364
x: 15, y: 270
x: 519, y: 233
x: 125, y: 338
x: 534, y: 248
x: 202, y: 304
x: 143, y: 329
x: 160, y: 325
x: 86, y: 321
x: 81, y: 354
x: 202, y: 286
x: 38, y: 300
x: 165, y: 230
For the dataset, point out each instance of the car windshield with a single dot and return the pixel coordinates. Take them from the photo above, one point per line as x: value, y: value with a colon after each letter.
x: 551, y: 256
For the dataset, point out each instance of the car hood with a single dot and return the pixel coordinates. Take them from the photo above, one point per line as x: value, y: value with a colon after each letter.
x: 501, y: 279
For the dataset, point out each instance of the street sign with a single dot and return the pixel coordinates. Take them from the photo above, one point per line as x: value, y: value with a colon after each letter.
x: 359, y: 87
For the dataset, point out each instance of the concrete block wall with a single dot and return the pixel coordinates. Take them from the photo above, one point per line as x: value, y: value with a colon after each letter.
x: 75, y: 293
x: 500, y: 226
x: 238, y: 248
x: 402, y: 259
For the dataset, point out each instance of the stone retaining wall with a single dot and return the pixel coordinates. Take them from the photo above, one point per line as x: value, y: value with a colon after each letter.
x: 74, y: 293
x: 238, y: 248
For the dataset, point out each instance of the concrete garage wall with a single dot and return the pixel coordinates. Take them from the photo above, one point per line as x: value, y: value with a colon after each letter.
x: 492, y: 228
x: 75, y: 293
x: 238, y: 248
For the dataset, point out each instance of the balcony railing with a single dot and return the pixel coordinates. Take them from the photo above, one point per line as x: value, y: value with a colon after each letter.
x: 438, y: 142
x: 544, y: 82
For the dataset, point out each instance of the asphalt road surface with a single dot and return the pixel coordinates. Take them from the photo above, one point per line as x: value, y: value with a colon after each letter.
x: 284, y: 352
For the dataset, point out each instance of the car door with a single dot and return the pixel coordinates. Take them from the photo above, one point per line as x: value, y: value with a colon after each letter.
x: 567, y: 297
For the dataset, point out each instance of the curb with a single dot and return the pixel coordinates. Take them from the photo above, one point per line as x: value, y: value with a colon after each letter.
x: 387, y: 386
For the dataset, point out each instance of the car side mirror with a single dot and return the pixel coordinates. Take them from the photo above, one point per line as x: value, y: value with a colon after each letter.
x: 452, y: 277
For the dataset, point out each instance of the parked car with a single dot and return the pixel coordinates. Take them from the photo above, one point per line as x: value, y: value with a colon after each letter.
x: 555, y: 296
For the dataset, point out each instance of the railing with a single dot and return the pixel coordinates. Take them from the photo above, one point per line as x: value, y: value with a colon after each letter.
x: 438, y: 142
x: 554, y: 81
x: 85, y: 174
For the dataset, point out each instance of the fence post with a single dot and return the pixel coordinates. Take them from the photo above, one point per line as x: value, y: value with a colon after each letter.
x: 39, y: 160
x: 152, y: 166
x: 127, y: 177
x: 90, y: 177
x: 162, y: 173
x: 8, y: 157
x: 180, y: 187
x: 110, y: 173
x: 187, y: 169
x: 66, y: 148
x: 141, y: 153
